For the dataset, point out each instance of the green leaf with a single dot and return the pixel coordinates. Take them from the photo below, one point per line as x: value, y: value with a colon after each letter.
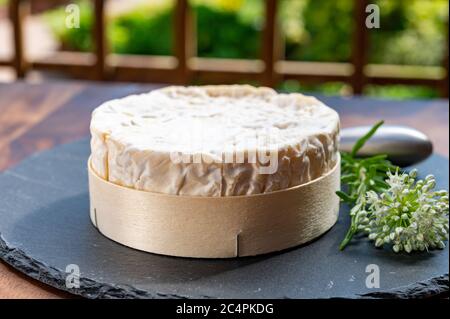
x: 347, y: 178
x: 374, y: 159
x: 344, y: 197
x: 360, y: 143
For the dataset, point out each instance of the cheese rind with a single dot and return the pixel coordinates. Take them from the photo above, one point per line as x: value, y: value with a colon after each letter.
x: 213, y: 140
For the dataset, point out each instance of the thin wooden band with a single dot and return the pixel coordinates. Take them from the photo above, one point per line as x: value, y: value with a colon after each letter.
x: 214, y: 227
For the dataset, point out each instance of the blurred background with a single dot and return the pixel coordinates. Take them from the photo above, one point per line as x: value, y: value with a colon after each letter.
x: 318, y: 46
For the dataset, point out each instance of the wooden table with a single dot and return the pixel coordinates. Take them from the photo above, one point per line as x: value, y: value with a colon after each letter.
x: 38, y: 117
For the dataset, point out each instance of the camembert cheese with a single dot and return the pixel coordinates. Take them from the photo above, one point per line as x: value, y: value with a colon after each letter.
x: 213, y: 140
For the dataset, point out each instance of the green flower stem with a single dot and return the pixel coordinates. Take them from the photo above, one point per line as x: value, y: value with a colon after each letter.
x: 349, y: 235
x: 360, y: 175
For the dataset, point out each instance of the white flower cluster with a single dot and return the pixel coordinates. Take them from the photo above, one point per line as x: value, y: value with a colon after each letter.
x: 409, y: 214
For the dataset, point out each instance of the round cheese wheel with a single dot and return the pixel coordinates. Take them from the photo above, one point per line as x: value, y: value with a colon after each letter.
x: 213, y: 141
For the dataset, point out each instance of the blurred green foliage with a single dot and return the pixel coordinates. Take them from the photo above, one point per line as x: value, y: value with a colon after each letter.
x: 412, y: 32
x: 142, y: 32
x: 395, y: 92
x: 400, y: 92
x: 317, y: 30
x: 224, y: 34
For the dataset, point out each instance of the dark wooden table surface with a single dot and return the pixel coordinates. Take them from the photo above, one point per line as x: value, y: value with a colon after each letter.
x: 36, y: 117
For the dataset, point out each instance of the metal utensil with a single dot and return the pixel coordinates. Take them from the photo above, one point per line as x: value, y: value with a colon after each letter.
x: 404, y: 146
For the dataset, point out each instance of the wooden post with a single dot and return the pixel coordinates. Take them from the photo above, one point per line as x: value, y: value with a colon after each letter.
x: 99, y: 35
x: 270, y: 43
x: 184, y: 40
x: 18, y: 10
x: 360, y: 45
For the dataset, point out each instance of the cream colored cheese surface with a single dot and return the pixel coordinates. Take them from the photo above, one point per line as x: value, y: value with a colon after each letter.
x: 213, y: 140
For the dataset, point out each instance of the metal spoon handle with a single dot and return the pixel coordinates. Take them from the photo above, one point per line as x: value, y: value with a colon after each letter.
x: 404, y: 146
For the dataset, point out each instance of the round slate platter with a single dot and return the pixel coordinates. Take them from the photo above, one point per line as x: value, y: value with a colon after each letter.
x: 45, y: 226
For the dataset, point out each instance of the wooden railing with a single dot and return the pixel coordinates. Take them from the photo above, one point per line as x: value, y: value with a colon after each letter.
x: 185, y: 67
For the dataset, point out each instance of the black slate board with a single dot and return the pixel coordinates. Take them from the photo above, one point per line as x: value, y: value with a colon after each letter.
x: 44, y: 226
